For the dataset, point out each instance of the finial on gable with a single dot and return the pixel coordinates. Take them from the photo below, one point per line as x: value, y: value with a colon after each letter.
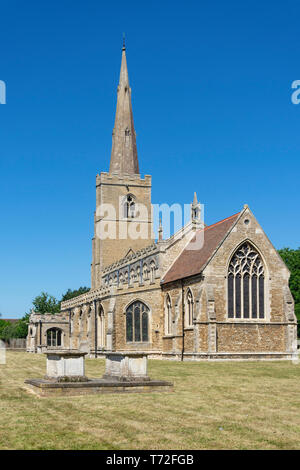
x: 196, y: 209
x: 160, y: 230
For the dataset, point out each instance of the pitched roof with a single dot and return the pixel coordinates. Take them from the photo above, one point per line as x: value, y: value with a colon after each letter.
x: 192, y: 260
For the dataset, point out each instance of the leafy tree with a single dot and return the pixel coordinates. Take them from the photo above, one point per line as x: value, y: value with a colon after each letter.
x: 3, y: 325
x: 45, y: 303
x: 16, y: 329
x: 292, y: 260
x: 8, y: 331
x: 21, y: 328
x: 70, y: 294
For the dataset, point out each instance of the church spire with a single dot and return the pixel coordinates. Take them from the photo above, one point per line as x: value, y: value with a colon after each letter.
x: 124, y: 159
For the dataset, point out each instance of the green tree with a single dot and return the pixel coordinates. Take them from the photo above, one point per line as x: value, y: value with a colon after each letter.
x: 16, y: 329
x: 70, y: 294
x: 3, y: 325
x: 45, y: 303
x: 292, y: 260
x: 8, y: 331
x: 21, y: 328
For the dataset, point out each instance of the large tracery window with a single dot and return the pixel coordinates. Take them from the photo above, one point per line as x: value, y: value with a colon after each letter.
x: 137, y: 323
x: 246, y: 284
x: 54, y: 337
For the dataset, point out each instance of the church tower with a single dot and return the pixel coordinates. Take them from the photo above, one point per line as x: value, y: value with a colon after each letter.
x: 123, y: 217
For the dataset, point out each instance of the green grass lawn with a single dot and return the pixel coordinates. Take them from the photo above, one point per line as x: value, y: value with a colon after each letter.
x: 237, y: 405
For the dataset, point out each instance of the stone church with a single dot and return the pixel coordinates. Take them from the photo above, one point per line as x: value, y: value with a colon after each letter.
x: 207, y: 292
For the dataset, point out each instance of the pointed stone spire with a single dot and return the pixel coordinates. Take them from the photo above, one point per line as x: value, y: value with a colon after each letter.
x: 124, y: 159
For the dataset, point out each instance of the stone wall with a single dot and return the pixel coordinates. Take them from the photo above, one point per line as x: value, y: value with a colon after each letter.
x: 96, y: 321
x: 212, y: 331
x: 251, y: 338
x: 111, y: 189
x: 16, y: 344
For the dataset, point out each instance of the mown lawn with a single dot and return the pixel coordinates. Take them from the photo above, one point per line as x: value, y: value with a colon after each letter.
x: 240, y: 405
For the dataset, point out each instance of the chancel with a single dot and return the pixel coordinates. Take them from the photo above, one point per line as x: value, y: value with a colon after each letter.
x: 227, y: 298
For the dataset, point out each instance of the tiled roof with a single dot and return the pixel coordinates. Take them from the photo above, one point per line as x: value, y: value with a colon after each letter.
x: 192, y: 259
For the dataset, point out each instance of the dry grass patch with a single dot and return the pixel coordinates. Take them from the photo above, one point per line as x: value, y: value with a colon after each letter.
x: 240, y: 405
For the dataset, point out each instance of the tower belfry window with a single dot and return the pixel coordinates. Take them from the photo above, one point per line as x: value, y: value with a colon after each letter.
x: 129, y: 207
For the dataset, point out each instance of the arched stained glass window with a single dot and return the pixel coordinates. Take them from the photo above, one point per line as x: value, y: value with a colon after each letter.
x: 189, y: 308
x: 245, y: 284
x: 101, y: 327
x: 168, y: 315
x: 137, y: 322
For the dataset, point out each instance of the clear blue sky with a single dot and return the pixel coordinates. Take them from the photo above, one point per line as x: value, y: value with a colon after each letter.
x: 211, y: 86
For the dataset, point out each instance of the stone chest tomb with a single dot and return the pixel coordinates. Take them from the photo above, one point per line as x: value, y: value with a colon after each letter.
x: 124, y: 372
x: 65, y: 366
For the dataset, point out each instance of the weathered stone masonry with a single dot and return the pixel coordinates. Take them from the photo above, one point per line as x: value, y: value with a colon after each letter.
x: 227, y: 298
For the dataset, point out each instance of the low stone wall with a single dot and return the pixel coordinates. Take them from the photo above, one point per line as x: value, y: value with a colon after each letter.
x: 16, y: 344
